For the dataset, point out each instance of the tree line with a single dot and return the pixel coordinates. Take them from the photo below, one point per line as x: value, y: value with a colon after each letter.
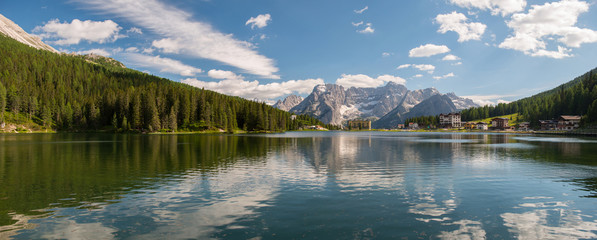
x: 71, y: 93
x: 423, y: 121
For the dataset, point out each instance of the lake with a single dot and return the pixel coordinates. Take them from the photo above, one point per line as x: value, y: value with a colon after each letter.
x: 298, y: 185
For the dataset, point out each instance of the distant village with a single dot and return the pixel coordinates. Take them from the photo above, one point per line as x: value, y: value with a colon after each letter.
x: 453, y: 121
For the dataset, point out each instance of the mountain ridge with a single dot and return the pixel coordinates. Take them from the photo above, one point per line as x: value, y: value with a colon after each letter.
x: 14, y: 31
x: 334, y: 104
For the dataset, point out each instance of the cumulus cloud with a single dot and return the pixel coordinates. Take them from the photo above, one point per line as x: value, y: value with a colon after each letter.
x: 444, y: 76
x: 386, y: 54
x: 236, y: 86
x: 418, y: 76
x: 362, y: 80
x: 450, y: 57
x: 96, y: 51
x: 162, y: 64
x: 260, y: 21
x: 361, y: 10
x: 76, y: 31
x: 561, y: 53
x: 544, y: 22
x: 458, y: 22
x: 422, y: 67
x: 503, y: 7
x: 184, y: 35
x: 428, y: 50
x: 483, y: 100
x: 368, y: 29
x: 221, y: 74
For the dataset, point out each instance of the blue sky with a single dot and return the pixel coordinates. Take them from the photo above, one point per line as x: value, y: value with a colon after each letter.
x: 488, y: 50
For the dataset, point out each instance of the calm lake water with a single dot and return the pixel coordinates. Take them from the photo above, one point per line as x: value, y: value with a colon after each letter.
x: 298, y: 185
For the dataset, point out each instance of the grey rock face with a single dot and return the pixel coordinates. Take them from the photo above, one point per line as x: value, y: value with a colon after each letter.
x: 386, y: 106
x: 12, y: 30
x: 433, y: 105
x: 288, y: 103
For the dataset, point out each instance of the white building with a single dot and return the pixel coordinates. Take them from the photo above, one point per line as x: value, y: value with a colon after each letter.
x: 450, y: 120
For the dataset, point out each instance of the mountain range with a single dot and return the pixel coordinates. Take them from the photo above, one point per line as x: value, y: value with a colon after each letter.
x: 386, y: 106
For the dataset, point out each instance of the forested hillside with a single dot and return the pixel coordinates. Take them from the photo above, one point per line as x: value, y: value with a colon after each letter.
x: 71, y: 93
x: 577, y: 97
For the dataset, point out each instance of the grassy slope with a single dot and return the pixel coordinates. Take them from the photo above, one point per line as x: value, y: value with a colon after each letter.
x: 514, y: 120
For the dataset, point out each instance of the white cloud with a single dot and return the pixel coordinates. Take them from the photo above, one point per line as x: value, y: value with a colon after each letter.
x: 444, y: 76
x: 550, y: 21
x: 358, y: 24
x: 186, y: 35
x: 96, y: 51
x: 386, y: 54
x: 221, y: 74
x: 422, y: 67
x: 456, y: 64
x: 450, y: 57
x: 132, y: 49
x: 254, y: 89
x: 418, y: 76
x: 428, y: 50
x: 458, y: 23
x: 148, y: 50
x: 77, y: 31
x: 260, y: 21
x: 361, y: 10
x: 135, y: 30
x: 503, y: 7
x: 561, y: 53
x: 368, y: 27
x: 162, y: 64
x: 362, y: 80
x: 483, y: 100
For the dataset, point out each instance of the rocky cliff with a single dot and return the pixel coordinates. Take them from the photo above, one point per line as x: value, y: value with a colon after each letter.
x: 433, y: 105
x: 288, y: 103
x: 335, y: 104
x: 12, y: 30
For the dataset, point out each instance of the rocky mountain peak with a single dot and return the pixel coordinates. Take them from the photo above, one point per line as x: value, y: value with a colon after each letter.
x: 334, y: 104
x: 288, y: 103
x: 14, y: 31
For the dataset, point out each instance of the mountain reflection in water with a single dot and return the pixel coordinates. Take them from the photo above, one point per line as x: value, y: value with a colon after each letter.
x: 297, y: 185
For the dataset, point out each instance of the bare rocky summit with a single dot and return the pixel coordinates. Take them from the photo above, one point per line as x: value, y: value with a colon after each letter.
x: 12, y: 30
x: 288, y: 103
x: 390, y: 104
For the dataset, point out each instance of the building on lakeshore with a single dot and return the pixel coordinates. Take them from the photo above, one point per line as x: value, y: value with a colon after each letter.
x: 568, y: 123
x: 482, y: 126
x: 359, y: 125
x: 548, y: 125
x: 450, y: 120
x: 413, y: 126
x: 470, y: 125
x: 524, y: 126
x: 500, y: 124
x: 316, y: 127
x: 400, y: 126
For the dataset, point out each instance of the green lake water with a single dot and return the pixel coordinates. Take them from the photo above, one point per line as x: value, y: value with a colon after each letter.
x: 298, y: 185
